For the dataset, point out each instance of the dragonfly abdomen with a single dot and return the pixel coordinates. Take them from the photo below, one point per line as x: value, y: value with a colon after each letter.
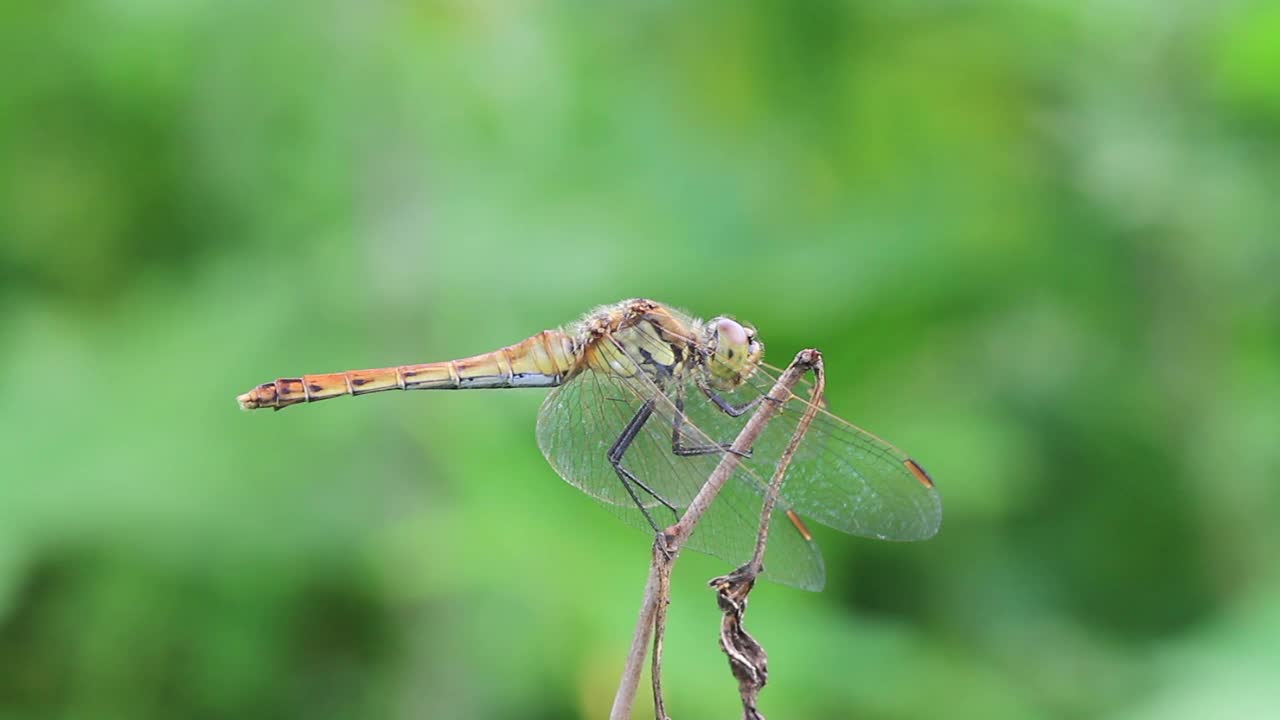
x: 543, y: 360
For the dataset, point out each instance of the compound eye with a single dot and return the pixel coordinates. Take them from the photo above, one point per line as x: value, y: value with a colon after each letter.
x: 731, y: 332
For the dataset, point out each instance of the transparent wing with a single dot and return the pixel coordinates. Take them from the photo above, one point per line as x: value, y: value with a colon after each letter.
x: 582, y: 420
x: 842, y: 476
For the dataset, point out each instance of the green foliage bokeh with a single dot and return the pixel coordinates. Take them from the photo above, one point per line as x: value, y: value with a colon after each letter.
x: 1035, y: 241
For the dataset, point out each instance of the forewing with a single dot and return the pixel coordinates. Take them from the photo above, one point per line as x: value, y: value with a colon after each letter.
x: 841, y: 476
x: 862, y: 485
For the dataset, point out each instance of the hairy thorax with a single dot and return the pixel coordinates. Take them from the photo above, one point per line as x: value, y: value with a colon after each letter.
x: 640, y: 337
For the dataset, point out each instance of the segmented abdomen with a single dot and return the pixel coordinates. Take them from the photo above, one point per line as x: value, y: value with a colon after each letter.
x: 543, y: 360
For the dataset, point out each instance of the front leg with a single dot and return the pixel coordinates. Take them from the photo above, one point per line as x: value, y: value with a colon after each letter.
x: 677, y: 435
x: 725, y: 406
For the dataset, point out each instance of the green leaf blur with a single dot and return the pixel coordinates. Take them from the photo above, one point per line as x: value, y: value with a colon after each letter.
x: 1036, y: 242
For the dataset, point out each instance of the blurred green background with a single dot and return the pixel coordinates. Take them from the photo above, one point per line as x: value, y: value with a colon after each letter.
x: 1035, y: 240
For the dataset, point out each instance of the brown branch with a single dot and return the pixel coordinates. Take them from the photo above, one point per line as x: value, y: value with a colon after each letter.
x: 747, y: 659
x: 626, y: 694
x: 775, y: 484
x: 660, y: 626
x: 667, y: 545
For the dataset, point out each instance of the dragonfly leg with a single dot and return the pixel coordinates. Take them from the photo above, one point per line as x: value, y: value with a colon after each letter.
x: 677, y: 436
x: 727, y: 407
x: 628, y: 478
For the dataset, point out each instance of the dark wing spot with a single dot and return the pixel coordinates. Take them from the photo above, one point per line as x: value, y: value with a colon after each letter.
x: 919, y: 472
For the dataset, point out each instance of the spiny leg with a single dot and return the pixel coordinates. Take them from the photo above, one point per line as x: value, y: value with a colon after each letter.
x: 727, y: 407
x: 628, y: 478
x: 677, y: 434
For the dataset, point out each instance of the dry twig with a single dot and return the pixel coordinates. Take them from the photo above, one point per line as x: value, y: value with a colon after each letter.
x: 747, y: 659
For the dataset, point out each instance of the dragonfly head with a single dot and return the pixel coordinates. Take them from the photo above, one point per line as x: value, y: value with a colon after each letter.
x: 734, y: 353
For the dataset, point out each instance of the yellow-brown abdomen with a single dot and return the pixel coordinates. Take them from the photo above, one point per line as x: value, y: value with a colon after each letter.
x: 543, y: 360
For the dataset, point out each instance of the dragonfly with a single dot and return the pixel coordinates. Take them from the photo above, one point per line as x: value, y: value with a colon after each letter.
x: 646, y: 400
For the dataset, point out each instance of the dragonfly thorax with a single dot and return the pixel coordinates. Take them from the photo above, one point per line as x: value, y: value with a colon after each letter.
x: 733, y: 353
